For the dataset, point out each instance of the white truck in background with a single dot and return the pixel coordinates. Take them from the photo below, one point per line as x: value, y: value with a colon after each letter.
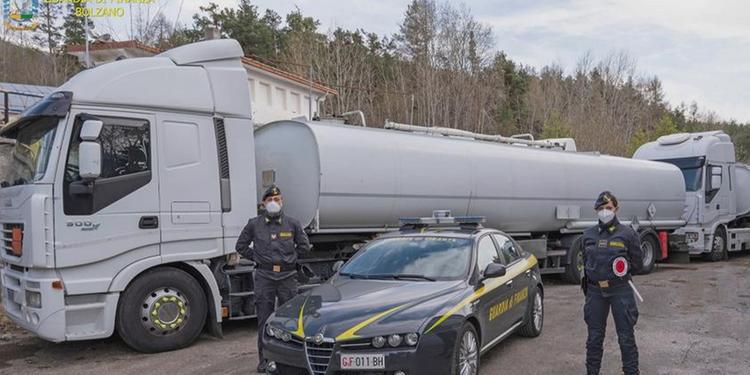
x: 133, y: 180
x: 717, y: 202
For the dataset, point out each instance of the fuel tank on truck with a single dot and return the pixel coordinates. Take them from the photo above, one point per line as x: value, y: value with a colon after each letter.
x: 342, y: 178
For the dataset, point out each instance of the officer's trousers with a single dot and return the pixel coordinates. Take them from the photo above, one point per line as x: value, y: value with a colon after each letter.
x: 625, y: 314
x: 267, y: 290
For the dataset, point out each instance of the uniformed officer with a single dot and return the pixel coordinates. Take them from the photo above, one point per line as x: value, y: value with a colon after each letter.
x: 277, y: 239
x: 603, y: 244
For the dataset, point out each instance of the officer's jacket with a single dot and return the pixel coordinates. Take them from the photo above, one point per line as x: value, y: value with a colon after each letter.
x: 276, y: 240
x: 603, y: 244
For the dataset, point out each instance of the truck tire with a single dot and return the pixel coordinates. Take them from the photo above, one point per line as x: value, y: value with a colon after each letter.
x: 466, y: 352
x: 163, y: 309
x: 649, y: 246
x: 534, y: 320
x: 718, y: 246
x: 574, y: 268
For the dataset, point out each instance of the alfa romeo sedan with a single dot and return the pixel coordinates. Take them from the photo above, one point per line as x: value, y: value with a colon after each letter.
x: 424, y: 300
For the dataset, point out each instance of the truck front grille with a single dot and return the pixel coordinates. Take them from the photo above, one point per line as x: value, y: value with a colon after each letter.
x: 8, y: 240
x: 318, y: 356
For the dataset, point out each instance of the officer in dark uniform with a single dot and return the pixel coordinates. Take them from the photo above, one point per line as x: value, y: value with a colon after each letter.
x: 603, y: 244
x: 277, y: 239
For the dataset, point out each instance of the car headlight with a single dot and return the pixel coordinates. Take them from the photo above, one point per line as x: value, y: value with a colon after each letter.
x: 394, y: 340
x: 270, y: 331
x: 286, y: 336
x: 411, y: 339
x: 378, y: 341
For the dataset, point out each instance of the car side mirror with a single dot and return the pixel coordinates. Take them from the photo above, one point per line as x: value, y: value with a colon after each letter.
x: 337, y: 266
x: 494, y: 270
x: 90, y: 151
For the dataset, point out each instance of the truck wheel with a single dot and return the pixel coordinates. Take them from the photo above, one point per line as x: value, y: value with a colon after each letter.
x: 534, y: 320
x: 718, y: 246
x: 163, y: 309
x: 466, y: 352
x: 574, y: 268
x: 649, y: 246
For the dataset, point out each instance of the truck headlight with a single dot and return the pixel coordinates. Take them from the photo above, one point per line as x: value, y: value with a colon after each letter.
x: 33, y: 299
x: 411, y: 339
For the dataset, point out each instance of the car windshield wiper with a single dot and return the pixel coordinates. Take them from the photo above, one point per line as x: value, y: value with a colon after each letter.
x: 399, y: 276
x: 354, y: 275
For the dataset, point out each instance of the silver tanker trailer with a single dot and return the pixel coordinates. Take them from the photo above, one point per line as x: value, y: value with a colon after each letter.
x: 348, y: 183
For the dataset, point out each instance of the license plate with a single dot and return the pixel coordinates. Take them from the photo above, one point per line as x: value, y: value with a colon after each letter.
x: 362, y: 361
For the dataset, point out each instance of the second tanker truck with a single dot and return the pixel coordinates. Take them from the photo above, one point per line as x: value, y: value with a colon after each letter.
x: 130, y: 184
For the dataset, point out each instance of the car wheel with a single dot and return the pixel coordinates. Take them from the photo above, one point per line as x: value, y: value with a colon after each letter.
x: 163, y: 309
x: 466, y: 352
x: 649, y: 246
x: 534, y: 319
x: 574, y: 269
x: 718, y: 246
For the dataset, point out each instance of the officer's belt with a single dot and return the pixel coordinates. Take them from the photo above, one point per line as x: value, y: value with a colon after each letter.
x: 277, y: 267
x: 610, y: 283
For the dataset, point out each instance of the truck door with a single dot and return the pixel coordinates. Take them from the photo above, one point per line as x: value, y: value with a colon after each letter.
x: 716, y: 193
x: 190, y: 208
x: 112, y: 218
x: 494, y: 304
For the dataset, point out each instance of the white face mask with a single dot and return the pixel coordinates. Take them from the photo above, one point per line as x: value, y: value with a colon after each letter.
x: 273, y: 207
x: 605, y: 215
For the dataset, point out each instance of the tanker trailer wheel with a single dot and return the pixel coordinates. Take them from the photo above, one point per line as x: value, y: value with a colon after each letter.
x: 163, y: 309
x: 718, y: 246
x: 574, y: 268
x: 649, y: 246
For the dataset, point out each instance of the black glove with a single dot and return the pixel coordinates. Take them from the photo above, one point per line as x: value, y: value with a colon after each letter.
x: 584, y: 284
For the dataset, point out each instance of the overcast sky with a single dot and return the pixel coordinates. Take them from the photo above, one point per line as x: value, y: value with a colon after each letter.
x: 699, y: 49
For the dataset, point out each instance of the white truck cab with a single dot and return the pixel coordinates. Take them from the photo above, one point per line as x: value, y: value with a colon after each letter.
x: 126, y: 168
x: 717, y: 191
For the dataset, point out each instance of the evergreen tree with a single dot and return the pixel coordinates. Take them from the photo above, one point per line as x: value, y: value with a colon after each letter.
x: 49, y: 32
x: 75, y: 31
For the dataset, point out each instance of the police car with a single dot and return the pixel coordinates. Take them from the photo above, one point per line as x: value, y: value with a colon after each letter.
x: 428, y: 299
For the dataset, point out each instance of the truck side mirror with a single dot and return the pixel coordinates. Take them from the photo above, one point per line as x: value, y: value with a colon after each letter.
x: 715, y: 177
x: 90, y: 151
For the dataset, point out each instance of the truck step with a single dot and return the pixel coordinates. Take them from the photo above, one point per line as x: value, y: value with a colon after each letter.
x: 242, y: 317
x: 556, y: 253
x: 552, y: 270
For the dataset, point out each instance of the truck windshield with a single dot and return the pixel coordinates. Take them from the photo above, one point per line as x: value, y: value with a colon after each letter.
x: 31, y: 142
x: 692, y: 171
x: 418, y: 258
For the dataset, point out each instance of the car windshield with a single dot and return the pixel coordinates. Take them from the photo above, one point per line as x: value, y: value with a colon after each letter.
x: 692, y: 171
x: 418, y: 258
x: 30, y: 145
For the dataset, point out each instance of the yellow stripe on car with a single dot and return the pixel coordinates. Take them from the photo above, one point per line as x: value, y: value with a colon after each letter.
x: 300, y: 332
x: 489, y: 286
x: 351, y: 333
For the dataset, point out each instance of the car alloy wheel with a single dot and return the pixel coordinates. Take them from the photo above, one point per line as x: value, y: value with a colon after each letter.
x: 538, y: 312
x: 468, y: 355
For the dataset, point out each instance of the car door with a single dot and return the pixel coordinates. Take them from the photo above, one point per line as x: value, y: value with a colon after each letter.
x: 494, y: 303
x: 521, y: 277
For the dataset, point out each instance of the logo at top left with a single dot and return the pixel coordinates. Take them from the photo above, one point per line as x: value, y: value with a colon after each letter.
x: 20, y: 14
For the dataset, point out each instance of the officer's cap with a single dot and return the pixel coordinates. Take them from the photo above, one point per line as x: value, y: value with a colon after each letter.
x: 604, y: 198
x: 272, y: 191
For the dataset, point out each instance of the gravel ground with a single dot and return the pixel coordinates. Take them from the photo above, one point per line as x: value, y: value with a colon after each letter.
x: 695, y: 320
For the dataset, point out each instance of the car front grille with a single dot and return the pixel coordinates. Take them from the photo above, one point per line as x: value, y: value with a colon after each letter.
x: 318, y: 356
